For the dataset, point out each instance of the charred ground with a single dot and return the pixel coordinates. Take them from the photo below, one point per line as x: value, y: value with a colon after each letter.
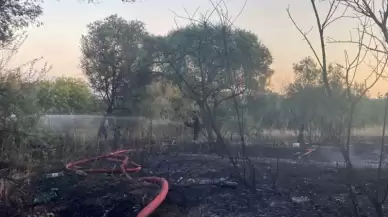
x: 285, y: 186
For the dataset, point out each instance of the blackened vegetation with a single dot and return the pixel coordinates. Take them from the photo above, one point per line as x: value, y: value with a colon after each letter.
x: 120, y: 58
x: 91, y: 196
x: 202, y: 185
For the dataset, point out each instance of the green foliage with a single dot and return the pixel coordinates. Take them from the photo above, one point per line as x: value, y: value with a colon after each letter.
x: 65, y: 95
x: 205, y: 59
x: 117, y: 57
x: 306, y: 98
x: 16, y: 15
x: 303, y: 102
x: 18, y: 96
x: 266, y: 110
x: 212, y: 64
x: 369, y: 112
x: 19, y: 113
x: 164, y: 101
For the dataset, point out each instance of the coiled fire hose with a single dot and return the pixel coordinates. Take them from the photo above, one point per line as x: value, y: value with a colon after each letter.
x: 122, y: 156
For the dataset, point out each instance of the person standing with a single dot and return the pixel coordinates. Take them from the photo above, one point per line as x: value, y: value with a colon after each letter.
x: 195, y: 124
x: 103, y: 131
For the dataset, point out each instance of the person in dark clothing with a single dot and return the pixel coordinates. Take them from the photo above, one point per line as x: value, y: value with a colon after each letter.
x: 103, y: 130
x: 300, y: 139
x: 195, y: 124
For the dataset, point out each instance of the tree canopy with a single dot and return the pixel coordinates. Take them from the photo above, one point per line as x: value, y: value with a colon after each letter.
x: 206, y: 59
x: 212, y: 63
x: 65, y: 95
x: 16, y: 15
x: 117, y: 61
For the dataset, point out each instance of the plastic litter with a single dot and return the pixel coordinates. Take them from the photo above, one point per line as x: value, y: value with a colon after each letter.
x: 302, y: 199
x: 54, y: 175
x: 80, y: 172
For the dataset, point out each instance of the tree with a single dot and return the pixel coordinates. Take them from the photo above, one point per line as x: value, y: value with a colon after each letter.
x: 371, y: 17
x: 195, y: 60
x: 16, y: 15
x: 164, y: 101
x: 19, y: 111
x: 322, y: 23
x: 320, y: 110
x: 65, y: 95
x: 265, y: 110
x: 115, y: 59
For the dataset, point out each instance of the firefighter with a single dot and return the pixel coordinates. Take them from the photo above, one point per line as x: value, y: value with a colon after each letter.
x: 104, y: 125
x: 195, y: 124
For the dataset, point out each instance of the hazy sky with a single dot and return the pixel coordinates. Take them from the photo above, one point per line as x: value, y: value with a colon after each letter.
x: 65, y: 21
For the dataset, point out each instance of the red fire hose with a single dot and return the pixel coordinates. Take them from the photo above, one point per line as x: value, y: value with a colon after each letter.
x: 120, y: 156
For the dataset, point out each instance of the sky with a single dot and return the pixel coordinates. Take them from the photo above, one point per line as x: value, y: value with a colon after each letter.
x: 64, y: 22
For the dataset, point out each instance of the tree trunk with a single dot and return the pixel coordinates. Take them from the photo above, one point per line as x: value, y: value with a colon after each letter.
x: 102, y: 131
x: 349, y: 166
x: 310, y: 133
x: 301, y: 140
x: 116, y: 136
x: 209, y: 132
x: 382, y: 154
x: 346, y: 151
x: 378, y: 208
x: 208, y: 125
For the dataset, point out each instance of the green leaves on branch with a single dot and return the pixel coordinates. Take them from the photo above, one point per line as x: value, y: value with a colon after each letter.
x: 206, y: 61
x: 65, y: 95
x: 16, y: 95
x: 307, y: 103
x: 117, y: 61
x: 16, y: 15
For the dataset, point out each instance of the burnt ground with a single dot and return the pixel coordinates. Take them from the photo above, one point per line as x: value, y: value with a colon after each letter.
x: 203, y: 185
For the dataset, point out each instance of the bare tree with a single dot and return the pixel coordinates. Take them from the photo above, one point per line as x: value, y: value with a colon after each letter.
x: 322, y: 23
x: 376, y: 14
x: 330, y: 17
x: 248, y: 167
x: 369, y: 44
x: 355, y: 92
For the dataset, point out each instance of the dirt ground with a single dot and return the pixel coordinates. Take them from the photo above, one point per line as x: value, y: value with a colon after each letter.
x: 204, y: 185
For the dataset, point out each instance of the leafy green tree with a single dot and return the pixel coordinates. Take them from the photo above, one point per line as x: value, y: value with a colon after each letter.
x: 117, y: 61
x: 309, y: 108
x: 368, y: 112
x: 16, y: 15
x: 164, y: 101
x: 265, y: 110
x: 17, y: 96
x: 19, y: 112
x: 214, y: 63
x: 65, y: 95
